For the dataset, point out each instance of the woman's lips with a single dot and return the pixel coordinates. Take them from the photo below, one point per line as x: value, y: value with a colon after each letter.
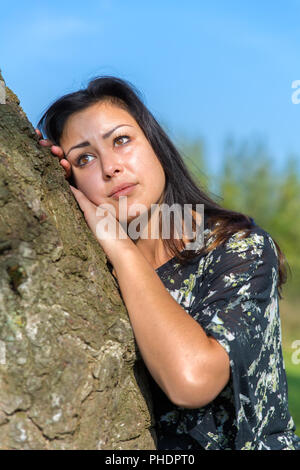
x: 124, y: 191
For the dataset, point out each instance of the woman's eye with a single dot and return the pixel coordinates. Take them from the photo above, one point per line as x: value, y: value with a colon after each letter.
x: 118, y: 141
x: 82, y: 158
x: 121, y: 138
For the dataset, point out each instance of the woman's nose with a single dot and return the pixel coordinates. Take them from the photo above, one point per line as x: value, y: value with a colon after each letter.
x: 110, y: 165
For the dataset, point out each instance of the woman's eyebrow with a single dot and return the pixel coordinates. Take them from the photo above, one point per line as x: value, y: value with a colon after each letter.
x: 82, y: 144
x: 104, y: 136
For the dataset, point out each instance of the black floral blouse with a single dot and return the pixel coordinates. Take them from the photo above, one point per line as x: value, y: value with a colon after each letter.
x: 232, y: 293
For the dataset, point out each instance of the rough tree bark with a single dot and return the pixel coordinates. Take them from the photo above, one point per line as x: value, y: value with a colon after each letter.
x: 70, y: 374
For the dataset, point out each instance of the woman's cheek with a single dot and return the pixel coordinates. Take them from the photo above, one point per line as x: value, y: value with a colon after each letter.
x: 89, y: 182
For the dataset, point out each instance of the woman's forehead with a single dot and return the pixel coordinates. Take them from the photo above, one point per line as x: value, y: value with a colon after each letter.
x: 102, y: 116
x: 101, y: 113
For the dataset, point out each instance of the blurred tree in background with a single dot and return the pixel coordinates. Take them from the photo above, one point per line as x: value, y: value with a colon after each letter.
x: 249, y: 183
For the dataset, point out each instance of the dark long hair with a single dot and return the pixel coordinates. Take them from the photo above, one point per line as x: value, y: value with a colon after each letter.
x: 180, y: 186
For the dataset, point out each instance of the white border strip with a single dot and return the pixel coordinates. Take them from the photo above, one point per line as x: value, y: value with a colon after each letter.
x: 2, y: 92
x: 2, y: 353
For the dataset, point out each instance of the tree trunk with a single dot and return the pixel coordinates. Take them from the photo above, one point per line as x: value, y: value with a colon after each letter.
x: 70, y: 374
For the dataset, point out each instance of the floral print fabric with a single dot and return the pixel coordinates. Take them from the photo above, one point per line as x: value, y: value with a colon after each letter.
x: 232, y: 293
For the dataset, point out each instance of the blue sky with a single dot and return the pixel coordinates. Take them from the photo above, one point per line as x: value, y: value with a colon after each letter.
x: 207, y: 69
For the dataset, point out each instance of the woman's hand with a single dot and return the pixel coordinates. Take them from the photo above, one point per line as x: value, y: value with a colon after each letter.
x: 104, y: 225
x: 58, y: 152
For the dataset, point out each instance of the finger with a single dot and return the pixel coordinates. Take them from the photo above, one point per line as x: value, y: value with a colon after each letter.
x: 85, y: 203
x: 58, y: 151
x: 65, y: 164
x: 82, y: 200
x: 40, y: 136
x: 45, y: 142
x: 67, y: 167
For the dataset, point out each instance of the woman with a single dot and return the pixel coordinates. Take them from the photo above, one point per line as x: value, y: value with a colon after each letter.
x: 206, y: 319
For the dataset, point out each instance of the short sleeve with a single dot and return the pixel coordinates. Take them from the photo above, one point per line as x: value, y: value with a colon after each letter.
x: 238, y: 306
x: 240, y: 284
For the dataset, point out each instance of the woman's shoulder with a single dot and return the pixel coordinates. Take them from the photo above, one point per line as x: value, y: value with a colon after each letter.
x: 241, y: 238
x: 245, y: 244
x: 241, y: 245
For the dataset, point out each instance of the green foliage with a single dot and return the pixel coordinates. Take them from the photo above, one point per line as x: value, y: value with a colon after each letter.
x: 293, y: 378
x: 193, y: 153
x: 249, y: 183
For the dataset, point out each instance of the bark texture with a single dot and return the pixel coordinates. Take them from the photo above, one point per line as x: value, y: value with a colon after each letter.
x: 70, y: 374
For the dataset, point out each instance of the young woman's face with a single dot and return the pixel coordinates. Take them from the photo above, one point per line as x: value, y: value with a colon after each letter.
x: 103, y: 157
